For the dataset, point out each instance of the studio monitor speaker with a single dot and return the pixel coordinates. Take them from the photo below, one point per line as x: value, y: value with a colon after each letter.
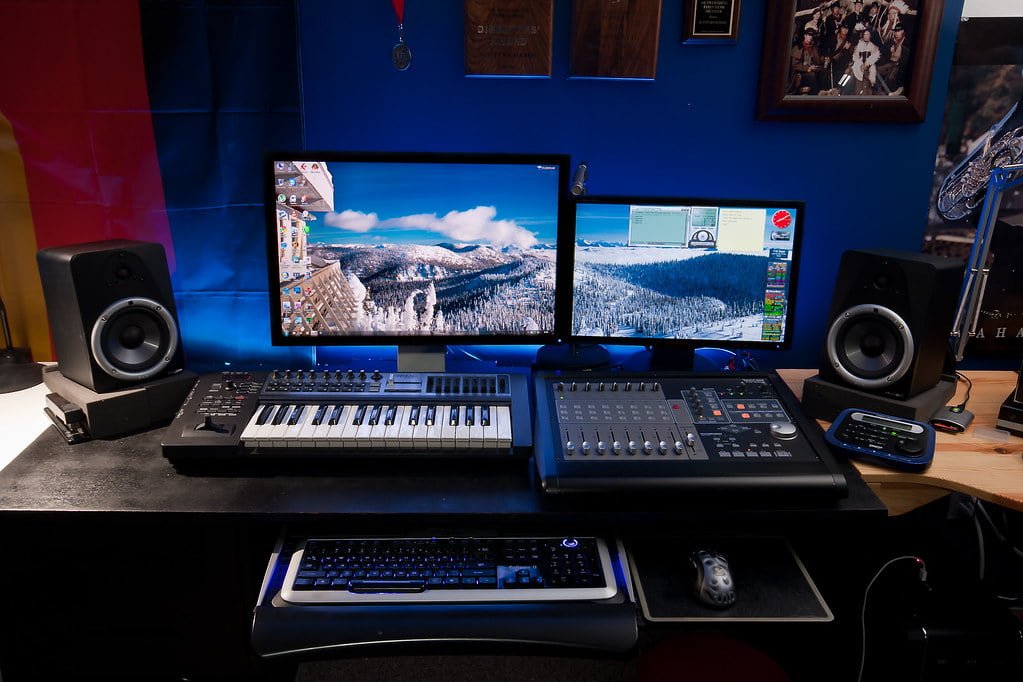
x: 890, y: 320
x: 111, y: 311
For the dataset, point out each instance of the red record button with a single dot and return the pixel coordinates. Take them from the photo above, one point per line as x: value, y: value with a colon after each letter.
x: 781, y: 219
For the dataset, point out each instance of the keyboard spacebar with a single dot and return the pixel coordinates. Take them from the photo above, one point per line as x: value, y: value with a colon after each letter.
x: 380, y: 586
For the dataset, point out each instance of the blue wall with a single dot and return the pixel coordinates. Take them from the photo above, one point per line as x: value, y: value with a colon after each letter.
x: 690, y: 132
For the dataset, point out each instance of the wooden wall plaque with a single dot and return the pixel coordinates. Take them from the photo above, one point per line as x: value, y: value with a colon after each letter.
x: 508, y: 37
x: 615, y: 38
x: 711, y: 21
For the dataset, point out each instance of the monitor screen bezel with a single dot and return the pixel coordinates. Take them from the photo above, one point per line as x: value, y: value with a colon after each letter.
x: 567, y: 270
x: 565, y: 216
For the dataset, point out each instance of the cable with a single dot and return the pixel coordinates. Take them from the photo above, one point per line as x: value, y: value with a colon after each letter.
x: 866, y: 594
x: 1015, y: 550
x: 969, y: 387
x: 981, y: 558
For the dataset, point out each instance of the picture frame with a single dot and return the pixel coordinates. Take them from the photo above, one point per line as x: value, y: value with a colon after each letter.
x: 711, y: 22
x: 853, y: 83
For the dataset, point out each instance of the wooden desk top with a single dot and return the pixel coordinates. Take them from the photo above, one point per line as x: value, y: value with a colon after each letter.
x: 983, y: 461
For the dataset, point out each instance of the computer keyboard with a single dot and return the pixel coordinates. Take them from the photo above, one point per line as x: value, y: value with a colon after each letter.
x: 450, y: 569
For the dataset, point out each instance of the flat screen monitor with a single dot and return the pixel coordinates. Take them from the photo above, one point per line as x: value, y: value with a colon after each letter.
x: 415, y: 249
x: 688, y: 272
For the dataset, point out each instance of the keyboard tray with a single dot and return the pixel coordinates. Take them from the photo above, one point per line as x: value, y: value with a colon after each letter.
x: 281, y: 628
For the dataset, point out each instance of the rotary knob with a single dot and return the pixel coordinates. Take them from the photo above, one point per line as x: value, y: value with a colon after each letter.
x: 783, y: 430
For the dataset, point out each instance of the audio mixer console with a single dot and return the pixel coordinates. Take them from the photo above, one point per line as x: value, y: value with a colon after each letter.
x: 678, y: 430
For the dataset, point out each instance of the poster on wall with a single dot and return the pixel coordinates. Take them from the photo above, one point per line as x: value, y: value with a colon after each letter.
x: 508, y: 37
x: 982, y: 129
x: 613, y: 39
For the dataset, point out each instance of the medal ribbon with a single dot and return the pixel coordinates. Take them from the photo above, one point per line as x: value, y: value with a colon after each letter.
x: 399, y: 11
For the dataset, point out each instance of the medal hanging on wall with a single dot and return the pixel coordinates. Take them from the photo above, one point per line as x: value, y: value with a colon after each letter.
x: 401, y: 56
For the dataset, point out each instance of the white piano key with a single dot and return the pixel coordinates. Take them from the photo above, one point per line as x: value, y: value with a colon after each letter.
x: 320, y: 433
x: 502, y: 415
x: 292, y: 437
x: 435, y: 432
x: 490, y: 430
x: 462, y: 429
x: 447, y: 431
x: 392, y: 436
x: 261, y: 435
x: 405, y: 430
x: 378, y: 431
x: 476, y: 430
x: 278, y: 432
x: 336, y: 432
x: 363, y: 431
x: 421, y: 432
x: 248, y: 437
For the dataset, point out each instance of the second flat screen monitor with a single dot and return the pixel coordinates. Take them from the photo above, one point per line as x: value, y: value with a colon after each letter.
x: 696, y: 272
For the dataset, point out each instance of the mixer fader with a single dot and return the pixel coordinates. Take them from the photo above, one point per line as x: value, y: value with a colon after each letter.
x: 676, y: 430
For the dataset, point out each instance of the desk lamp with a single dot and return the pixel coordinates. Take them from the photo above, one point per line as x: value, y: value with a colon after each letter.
x: 17, y: 371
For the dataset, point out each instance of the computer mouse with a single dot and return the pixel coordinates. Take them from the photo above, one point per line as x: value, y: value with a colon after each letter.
x: 713, y: 584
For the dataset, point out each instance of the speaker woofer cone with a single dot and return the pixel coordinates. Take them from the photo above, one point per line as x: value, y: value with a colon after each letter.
x: 870, y: 346
x: 134, y: 339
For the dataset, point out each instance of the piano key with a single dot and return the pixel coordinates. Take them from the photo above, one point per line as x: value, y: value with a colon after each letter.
x: 350, y: 431
x: 374, y: 415
x: 448, y: 427
x: 293, y: 436
x: 406, y: 428
x: 470, y: 415
x: 320, y: 433
x: 485, y: 415
x: 502, y: 414
x: 333, y: 438
x: 420, y: 433
x: 389, y: 415
x: 434, y: 432
x: 378, y: 431
x: 462, y: 428
x: 264, y: 414
x: 248, y: 437
x: 320, y: 415
x: 364, y: 428
x: 475, y: 434
x: 431, y: 414
x: 392, y: 436
x: 489, y: 429
x: 280, y: 415
x: 310, y: 424
x: 359, y: 416
x: 413, y: 415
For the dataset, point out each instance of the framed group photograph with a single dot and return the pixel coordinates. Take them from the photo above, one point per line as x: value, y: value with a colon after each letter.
x: 847, y: 60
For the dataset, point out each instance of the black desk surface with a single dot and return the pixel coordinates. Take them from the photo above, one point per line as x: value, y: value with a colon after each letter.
x: 129, y: 475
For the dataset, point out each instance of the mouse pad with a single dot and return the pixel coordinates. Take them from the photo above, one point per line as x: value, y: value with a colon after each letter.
x: 771, y: 583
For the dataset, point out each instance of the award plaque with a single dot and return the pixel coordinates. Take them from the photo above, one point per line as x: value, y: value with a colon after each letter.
x: 615, y: 39
x: 508, y: 37
x: 711, y: 21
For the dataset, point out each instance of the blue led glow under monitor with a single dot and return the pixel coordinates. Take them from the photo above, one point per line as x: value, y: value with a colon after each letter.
x: 413, y: 248
x: 689, y: 272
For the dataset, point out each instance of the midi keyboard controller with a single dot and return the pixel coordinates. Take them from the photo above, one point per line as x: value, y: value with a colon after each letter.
x: 677, y: 430
x: 321, y: 414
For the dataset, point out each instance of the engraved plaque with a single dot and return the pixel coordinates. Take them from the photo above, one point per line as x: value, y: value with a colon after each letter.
x: 615, y: 38
x: 711, y: 21
x: 508, y: 37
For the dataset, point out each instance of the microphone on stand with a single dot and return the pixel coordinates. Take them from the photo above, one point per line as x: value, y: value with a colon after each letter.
x: 17, y: 371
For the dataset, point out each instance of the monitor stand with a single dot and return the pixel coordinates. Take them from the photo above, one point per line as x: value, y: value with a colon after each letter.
x: 422, y: 358
x: 572, y: 356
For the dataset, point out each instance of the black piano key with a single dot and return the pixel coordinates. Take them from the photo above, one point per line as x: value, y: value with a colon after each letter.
x: 296, y: 415
x: 413, y: 417
x: 470, y: 415
x: 360, y: 414
x: 335, y: 416
x: 282, y: 412
x: 318, y: 417
x: 453, y: 417
x: 389, y: 416
x: 374, y: 415
x: 485, y: 415
x: 431, y: 414
x: 264, y: 414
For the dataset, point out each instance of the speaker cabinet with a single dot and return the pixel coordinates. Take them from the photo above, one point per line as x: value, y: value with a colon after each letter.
x: 111, y: 311
x: 891, y: 315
